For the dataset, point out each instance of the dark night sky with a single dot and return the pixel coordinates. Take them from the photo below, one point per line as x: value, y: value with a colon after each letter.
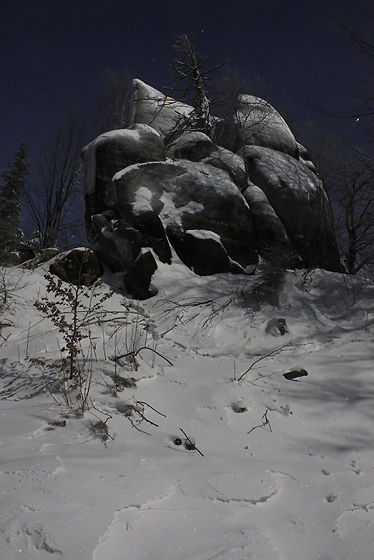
x: 54, y: 52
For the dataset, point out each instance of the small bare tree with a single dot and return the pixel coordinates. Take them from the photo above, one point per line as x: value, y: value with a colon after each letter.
x: 72, y: 309
x: 357, y: 32
x: 192, y: 76
x: 353, y: 190
x: 53, y: 195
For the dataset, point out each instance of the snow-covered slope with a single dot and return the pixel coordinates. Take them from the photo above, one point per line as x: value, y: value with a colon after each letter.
x: 279, y: 469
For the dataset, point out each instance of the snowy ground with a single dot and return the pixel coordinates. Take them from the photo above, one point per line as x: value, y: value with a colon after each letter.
x: 281, y: 470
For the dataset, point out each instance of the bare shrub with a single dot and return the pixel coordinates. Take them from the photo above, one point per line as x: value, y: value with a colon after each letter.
x: 72, y: 309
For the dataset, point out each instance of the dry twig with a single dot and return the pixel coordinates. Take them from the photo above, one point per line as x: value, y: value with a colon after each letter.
x: 191, y: 444
x: 265, y: 422
x: 262, y: 358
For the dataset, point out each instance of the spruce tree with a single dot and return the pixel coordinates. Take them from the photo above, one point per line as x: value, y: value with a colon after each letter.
x: 11, y: 190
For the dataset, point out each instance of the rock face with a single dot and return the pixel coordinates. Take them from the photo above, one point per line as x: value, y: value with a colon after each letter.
x: 270, y: 232
x: 297, y: 197
x: 194, y: 146
x: 304, y: 156
x: 214, y: 209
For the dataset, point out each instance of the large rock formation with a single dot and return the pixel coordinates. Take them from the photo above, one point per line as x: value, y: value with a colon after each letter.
x: 194, y: 199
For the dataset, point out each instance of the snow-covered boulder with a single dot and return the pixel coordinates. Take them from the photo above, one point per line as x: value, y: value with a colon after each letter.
x: 303, y: 152
x: 300, y: 202
x: 259, y: 124
x: 151, y: 107
x: 110, y: 153
x: 201, y: 210
x: 202, y: 251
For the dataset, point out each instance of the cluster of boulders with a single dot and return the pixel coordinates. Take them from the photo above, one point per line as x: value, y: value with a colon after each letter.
x: 161, y: 190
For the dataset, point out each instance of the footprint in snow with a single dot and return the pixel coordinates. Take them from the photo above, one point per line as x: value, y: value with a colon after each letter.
x: 238, y: 407
x: 355, y: 469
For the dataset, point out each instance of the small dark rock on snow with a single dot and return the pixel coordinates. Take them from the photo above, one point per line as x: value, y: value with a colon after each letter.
x: 295, y: 373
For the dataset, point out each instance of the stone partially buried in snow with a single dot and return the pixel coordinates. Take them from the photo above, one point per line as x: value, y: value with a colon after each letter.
x: 200, y: 208
x: 150, y: 106
x: 110, y: 153
x: 259, y: 124
x: 300, y: 202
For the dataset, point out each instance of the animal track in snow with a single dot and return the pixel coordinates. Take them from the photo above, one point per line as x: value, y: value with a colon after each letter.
x: 354, y: 467
x: 190, y: 535
x: 359, y: 520
x: 282, y: 408
x: 238, y: 407
x: 24, y: 538
x: 33, y: 467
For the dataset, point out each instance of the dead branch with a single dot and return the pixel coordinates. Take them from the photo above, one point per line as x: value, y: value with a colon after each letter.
x: 265, y: 422
x: 191, y: 443
x: 134, y: 353
x: 146, y: 404
x: 133, y: 409
x: 272, y: 353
